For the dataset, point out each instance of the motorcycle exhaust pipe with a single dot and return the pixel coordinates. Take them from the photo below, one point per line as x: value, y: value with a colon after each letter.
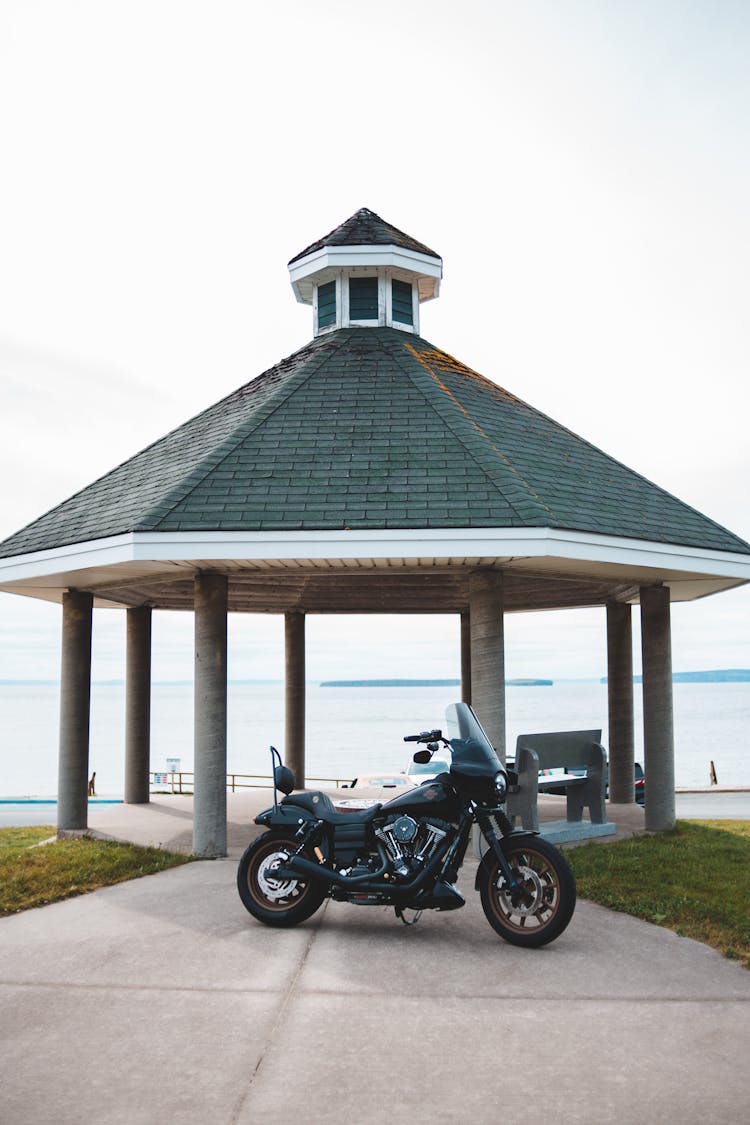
x: 298, y: 865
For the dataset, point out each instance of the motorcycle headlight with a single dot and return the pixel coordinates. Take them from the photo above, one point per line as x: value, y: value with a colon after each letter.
x: 501, y: 785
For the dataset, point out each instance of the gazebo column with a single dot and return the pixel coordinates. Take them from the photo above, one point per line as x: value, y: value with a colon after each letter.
x: 466, y: 656
x: 294, y: 641
x: 210, y: 801
x: 75, y: 711
x: 620, y: 702
x: 488, y: 653
x: 138, y: 705
x: 658, y: 735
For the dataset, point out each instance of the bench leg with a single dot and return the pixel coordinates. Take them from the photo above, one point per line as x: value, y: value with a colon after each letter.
x: 596, y: 807
x: 524, y: 809
x: 574, y: 802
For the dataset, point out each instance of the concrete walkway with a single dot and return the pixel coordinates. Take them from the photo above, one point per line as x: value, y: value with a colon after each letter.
x: 162, y: 1000
x: 167, y: 821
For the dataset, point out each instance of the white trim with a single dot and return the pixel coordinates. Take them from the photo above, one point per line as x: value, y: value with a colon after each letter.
x: 342, y: 291
x: 382, y: 287
x: 422, y: 268
x: 508, y: 543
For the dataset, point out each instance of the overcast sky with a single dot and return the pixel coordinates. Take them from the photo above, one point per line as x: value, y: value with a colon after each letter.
x: 582, y: 167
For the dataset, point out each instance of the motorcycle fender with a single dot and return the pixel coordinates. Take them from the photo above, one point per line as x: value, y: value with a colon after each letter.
x: 487, y: 855
x: 285, y: 816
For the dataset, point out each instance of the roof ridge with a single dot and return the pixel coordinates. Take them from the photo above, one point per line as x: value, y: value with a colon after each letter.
x: 208, y: 464
x: 505, y: 465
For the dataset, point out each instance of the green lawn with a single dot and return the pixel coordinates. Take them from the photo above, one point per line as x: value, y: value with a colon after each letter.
x: 34, y: 876
x: 694, y: 880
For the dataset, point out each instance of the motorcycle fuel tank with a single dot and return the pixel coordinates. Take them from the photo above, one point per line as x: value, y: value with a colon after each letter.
x: 431, y: 798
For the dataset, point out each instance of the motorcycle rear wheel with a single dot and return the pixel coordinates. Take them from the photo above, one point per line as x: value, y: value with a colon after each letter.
x: 541, y: 908
x: 275, y: 902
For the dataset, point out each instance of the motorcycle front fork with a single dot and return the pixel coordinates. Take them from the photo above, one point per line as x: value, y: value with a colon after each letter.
x: 488, y: 830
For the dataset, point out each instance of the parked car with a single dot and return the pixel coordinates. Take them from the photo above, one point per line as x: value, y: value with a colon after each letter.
x: 640, y: 784
x: 425, y: 771
x: 381, y: 781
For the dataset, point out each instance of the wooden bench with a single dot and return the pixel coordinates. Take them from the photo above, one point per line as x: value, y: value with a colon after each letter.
x: 571, y: 750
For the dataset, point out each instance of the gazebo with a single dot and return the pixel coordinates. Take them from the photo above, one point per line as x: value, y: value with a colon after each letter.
x: 368, y: 472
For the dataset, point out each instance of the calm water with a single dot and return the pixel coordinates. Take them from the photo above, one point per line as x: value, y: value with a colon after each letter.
x: 351, y: 730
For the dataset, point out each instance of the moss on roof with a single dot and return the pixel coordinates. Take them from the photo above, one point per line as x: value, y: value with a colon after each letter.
x: 371, y: 429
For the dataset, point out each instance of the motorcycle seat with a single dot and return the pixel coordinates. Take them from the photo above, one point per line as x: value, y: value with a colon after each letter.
x: 322, y: 807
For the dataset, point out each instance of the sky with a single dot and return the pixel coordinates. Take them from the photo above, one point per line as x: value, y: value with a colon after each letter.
x: 583, y: 168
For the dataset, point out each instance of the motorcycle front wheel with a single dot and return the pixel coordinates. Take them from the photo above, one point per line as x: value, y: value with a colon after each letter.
x: 539, y: 909
x: 273, y: 901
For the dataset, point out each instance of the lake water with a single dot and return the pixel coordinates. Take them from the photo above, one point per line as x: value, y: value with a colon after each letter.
x: 351, y: 730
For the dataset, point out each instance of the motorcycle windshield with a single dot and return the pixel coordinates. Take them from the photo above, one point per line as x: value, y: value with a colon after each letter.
x: 471, y: 749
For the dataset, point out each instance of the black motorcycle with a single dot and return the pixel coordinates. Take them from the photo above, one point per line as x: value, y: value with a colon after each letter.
x: 406, y: 853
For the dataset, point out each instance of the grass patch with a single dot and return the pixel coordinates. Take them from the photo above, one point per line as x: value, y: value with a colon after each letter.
x: 694, y: 880
x: 24, y: 837
x: 33, y: 876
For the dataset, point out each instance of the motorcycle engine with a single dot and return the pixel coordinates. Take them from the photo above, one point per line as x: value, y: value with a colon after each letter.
x: 410, y: 843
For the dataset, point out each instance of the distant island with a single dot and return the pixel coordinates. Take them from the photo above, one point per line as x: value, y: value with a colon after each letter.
x: 529, y: 683
x: 390, y: 683
x: 424, y: 683
x: 712, y: 676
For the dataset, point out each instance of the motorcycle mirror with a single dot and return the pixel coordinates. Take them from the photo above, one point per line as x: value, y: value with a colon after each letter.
x: 423, y: 757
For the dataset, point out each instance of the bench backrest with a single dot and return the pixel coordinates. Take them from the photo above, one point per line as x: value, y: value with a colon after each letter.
x: 562, y: 748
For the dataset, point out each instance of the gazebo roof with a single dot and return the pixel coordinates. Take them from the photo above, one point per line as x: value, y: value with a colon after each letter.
x: 372, y: 454
x: 371, y: 429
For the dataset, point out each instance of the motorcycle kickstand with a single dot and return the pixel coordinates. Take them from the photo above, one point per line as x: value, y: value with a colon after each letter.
x: 401, y: 915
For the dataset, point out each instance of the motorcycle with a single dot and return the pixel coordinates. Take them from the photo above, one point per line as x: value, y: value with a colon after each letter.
x: 406, y: 853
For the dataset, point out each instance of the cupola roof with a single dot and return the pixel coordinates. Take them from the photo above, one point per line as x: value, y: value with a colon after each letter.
x: 365, y: 228
x: 366, y: 246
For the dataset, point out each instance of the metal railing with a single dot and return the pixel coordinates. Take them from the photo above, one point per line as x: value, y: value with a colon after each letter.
x: 184, y: 781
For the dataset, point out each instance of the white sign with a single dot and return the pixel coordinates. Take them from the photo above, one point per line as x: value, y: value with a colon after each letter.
x: 173, y: 765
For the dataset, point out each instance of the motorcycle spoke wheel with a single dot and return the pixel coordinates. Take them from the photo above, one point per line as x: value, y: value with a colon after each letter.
x: 273, y: 900
x: 540, y: 907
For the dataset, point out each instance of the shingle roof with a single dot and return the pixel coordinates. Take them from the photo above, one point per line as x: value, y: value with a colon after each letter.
x: 371, y: 428
x: 365, y: 228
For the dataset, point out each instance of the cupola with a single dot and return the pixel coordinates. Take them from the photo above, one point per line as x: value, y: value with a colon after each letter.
x: 366, y: 274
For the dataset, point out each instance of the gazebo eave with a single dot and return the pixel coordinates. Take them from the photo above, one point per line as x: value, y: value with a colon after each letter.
x: 137, y: 562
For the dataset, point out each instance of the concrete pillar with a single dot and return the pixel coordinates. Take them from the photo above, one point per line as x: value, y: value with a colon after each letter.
x: 465, y: 656
x: 294, y: 749
x: 488, y: 653
x: 210, y: 801
x: 75, y: 710
x: 658, y: 735
x: 620, y: 701
x: 138, y: 705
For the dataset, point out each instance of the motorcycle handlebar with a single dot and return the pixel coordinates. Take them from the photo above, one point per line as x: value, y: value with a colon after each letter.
x: 425, y: 736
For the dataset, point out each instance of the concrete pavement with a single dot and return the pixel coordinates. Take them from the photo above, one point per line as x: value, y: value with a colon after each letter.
x: 162, y: 1000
